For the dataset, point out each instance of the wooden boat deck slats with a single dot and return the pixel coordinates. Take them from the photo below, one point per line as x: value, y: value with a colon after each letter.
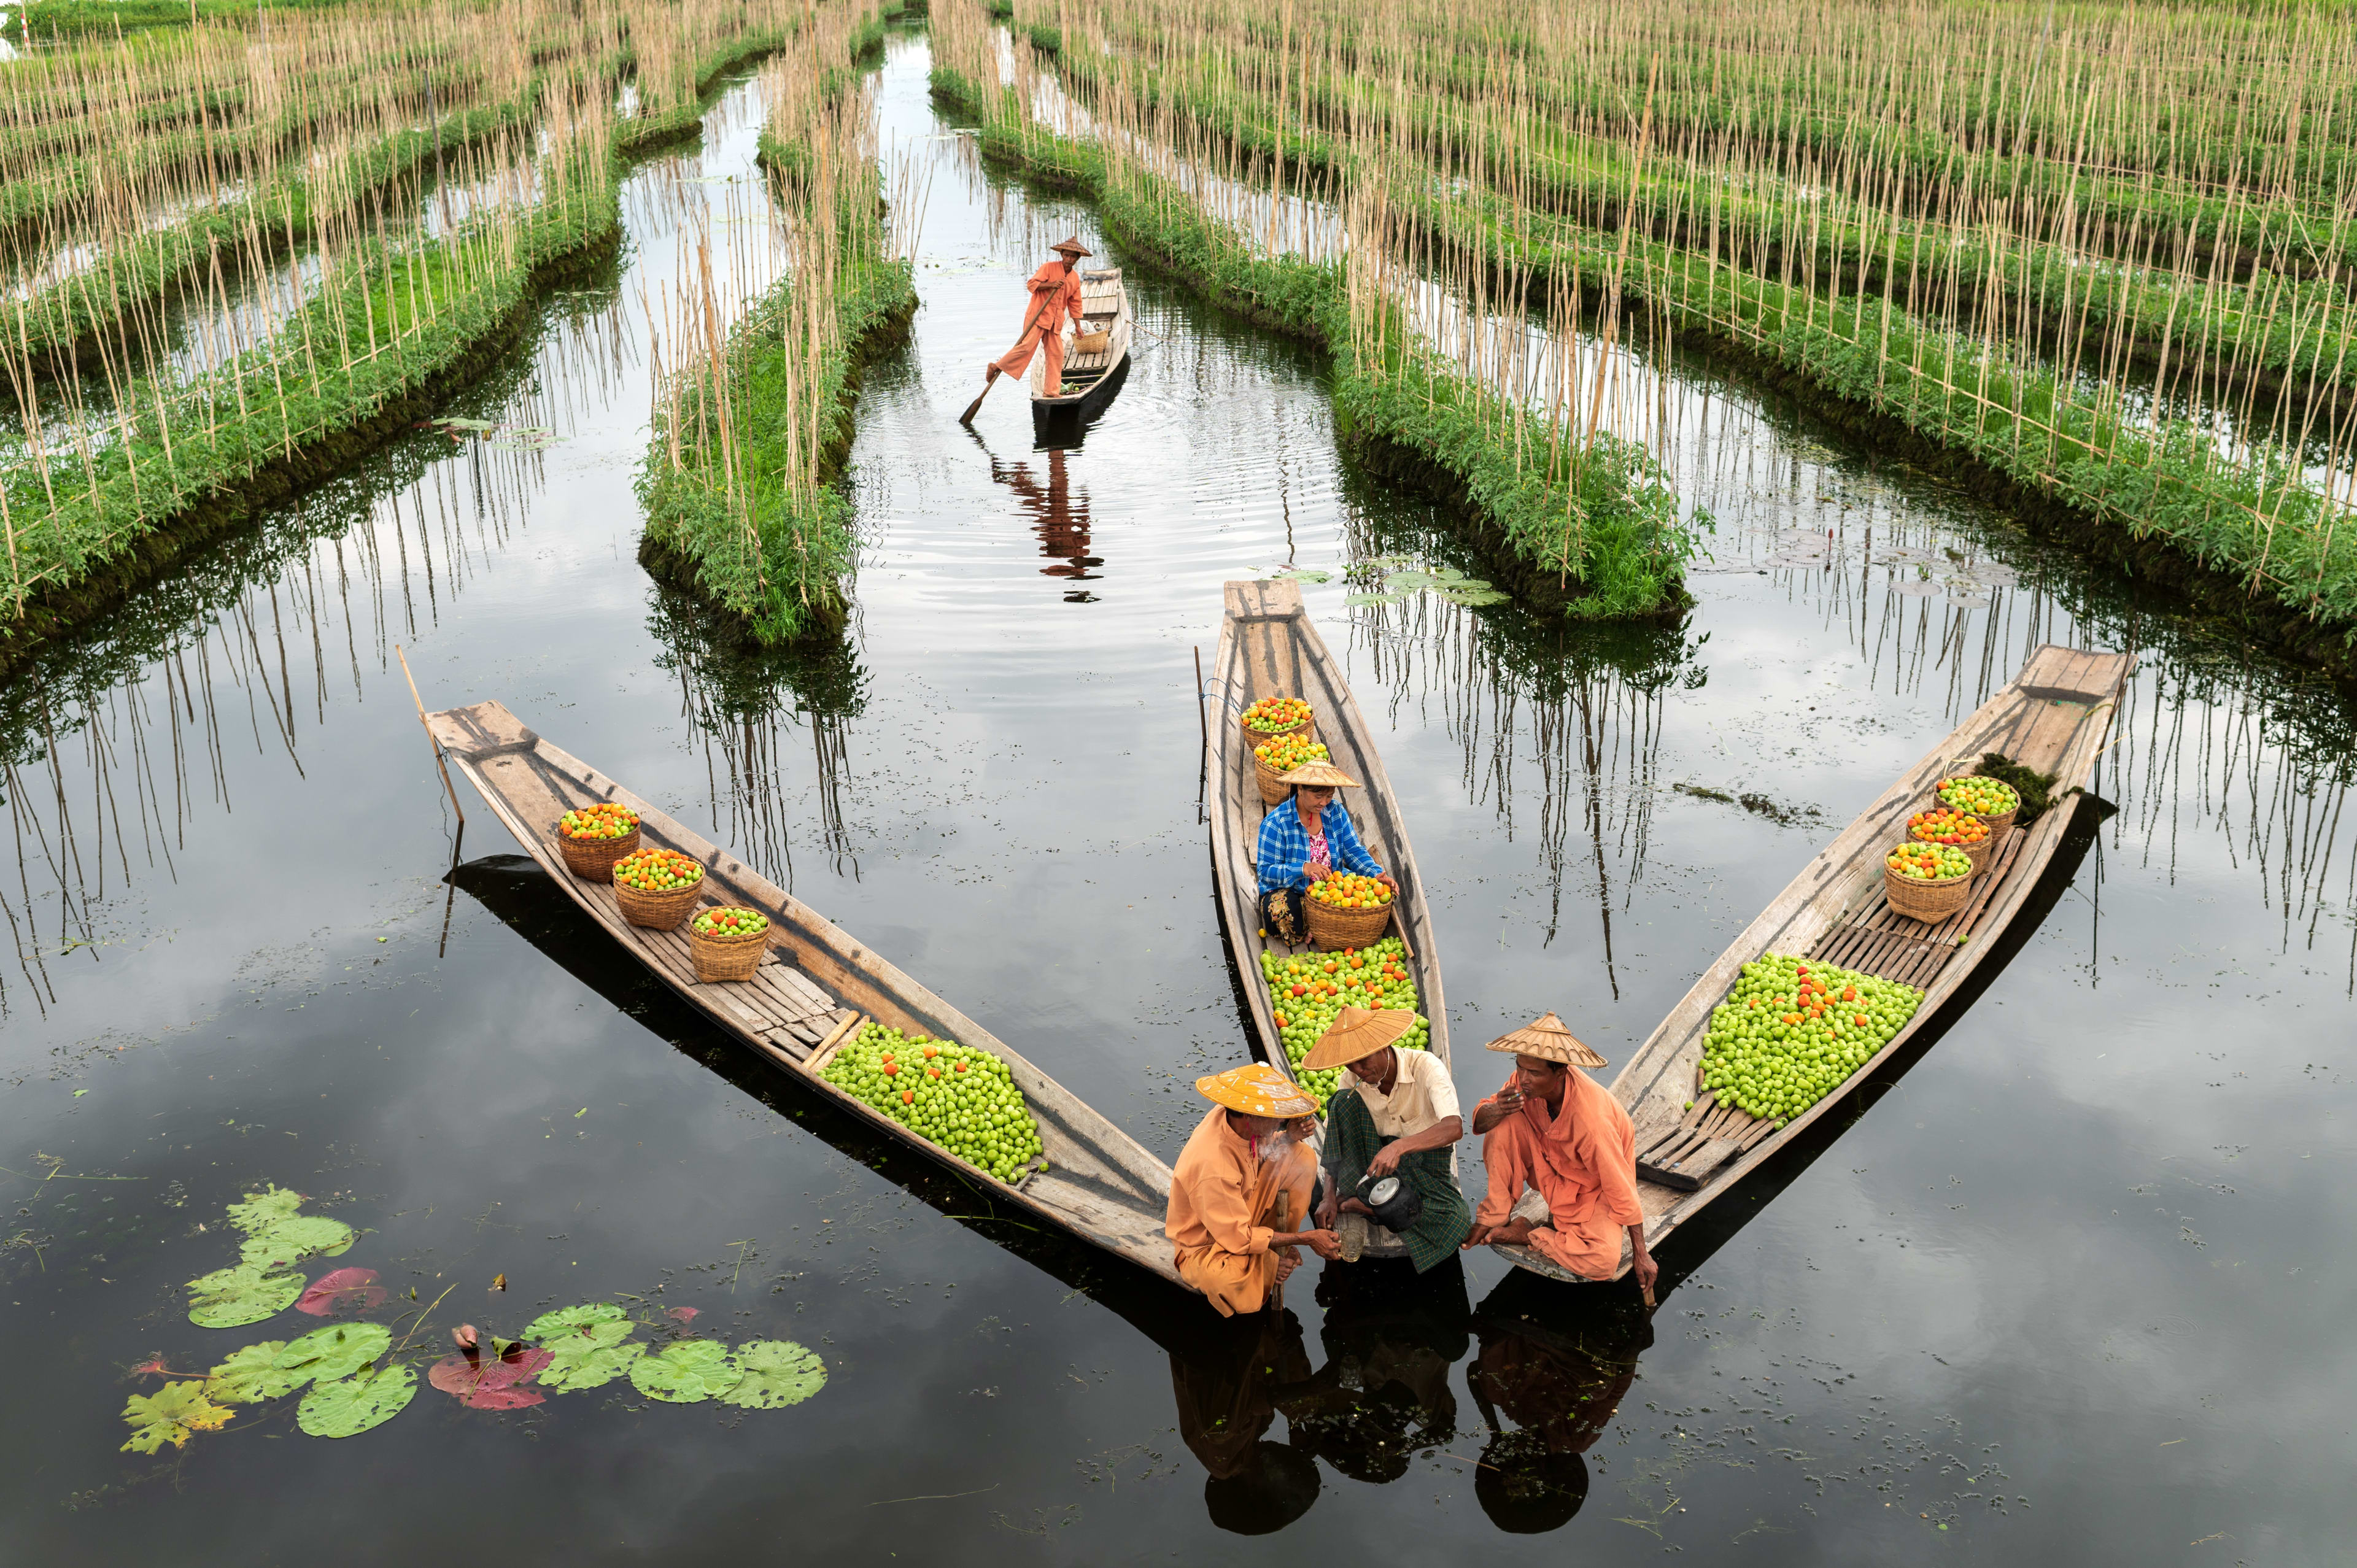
x: 1104, y: 303
x: 1100, y: 1183
x: 2053, y: 717
x: 1268, y: 648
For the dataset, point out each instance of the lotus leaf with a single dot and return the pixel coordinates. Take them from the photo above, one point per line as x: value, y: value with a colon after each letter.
x: 231, y: 1298
x: 1302, y: 575
x: 345, y: 1290
x: 691, y: 1370
x: 253, y: 1375
x: 291, y: 1239
x: 544, y: 1328
x: 336, y: 1351
x: 589, y: 1361
x: 263, y: 1209
x: 776, y: 1373
x: 1371, y: 598
x: 1470, y: 592
x: 492, y: 1382
x: 1408, y: 581
x: 169, y: 1415
x: 350, y: 1406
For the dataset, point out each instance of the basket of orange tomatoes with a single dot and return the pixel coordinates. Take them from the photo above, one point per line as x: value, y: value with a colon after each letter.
x: 1957, y: 829
x: 1347, y: 910
x: 657, y: 888
x: 593, y: 837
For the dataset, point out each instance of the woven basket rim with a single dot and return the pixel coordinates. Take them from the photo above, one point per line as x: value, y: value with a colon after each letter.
x: 728, y: 938
x: 602, y: 837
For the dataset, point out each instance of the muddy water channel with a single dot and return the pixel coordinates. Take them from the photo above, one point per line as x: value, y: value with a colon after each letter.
x: 2069, y: 1284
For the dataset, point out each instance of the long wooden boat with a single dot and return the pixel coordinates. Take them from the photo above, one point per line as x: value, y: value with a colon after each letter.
x: 814, y: 985
x: 2053, y: 717
x: 1268, y: 648
x: 1089, y: 380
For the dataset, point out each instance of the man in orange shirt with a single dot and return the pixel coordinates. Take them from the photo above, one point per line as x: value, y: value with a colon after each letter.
x: 1562, y: 1157
x: 1055, y: 296
x: 1240, y: 1194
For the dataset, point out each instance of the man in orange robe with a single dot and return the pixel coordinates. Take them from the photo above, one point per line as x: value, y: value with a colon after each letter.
x: 1241, y: 1191
x: 1557, y: 1135
x: 1055, y: 295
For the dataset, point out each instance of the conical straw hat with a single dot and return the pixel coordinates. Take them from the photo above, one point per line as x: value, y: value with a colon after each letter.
x: 1357, y: 1032
x: 1258, y: 1089
x: 1549, y: 1039
x: 1073, y: 245
x: 1321, y: 774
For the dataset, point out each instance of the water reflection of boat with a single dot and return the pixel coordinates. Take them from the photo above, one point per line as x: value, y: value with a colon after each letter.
x: 1090, y: 379
x: 1392, y: 1338
x: 1268, y: 648
x: 814, y: 982
x: 1556, y: 1363
x: 1061, y: 522
x: 2052, y: 718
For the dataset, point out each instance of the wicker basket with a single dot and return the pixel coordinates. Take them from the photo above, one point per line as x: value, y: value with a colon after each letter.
x: 732, y: 957
x: 1929, y: 902
x: 658, y: 911
x: 1091, y: 342
x: 1272, y: 793
x: 1252, y: 737
x: 592, y: 860
x: 1981, y: 852
x: 1997, y: 825
x: 1332, y: 930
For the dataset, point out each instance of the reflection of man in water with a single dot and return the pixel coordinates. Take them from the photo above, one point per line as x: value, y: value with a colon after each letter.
x: 1063, y: 525
x: 1228, y: 1375
x: 1391, y: 1337
x: 1555, y: 1359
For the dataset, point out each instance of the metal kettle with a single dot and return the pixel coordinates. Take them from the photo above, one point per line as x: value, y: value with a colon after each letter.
x: 1395, y: 1204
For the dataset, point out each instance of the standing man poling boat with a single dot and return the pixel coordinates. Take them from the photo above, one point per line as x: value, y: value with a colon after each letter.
x: 1240, y: 1194
x: 1562, y: 1156
x: 1055, y: 297
x: 1308, y: 838
x: 1395, y: 1115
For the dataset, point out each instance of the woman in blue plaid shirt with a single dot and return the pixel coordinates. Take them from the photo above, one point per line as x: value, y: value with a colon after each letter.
x: 1308, y: 838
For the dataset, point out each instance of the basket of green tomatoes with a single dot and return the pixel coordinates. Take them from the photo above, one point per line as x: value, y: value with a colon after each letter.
x: 1993, y: 800
x: 1274, y: 717
x: 727, y: 943
x: 1927, y: 882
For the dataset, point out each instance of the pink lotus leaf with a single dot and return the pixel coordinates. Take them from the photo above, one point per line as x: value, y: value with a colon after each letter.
x: 346, y: 1291
x: 492, y: 1382
x: 685, y: 1315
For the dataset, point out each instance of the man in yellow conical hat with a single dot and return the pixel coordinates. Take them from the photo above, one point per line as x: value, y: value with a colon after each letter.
x: 1240, y: 1193
x: 1054, y: 293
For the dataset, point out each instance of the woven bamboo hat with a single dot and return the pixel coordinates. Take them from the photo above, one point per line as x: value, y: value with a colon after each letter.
x: 1356, y: 1033
x: 1318, y: 774
x: 1549, y: 1039
x: 1071, y: 246
x: 1258, y: 1089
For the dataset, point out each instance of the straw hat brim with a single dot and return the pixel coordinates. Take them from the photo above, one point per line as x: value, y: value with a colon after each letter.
x: 1320, y: 774
x: 1357, y: 1034
x: 1548, y: 1039
x: 1072, y: 247
x: 1258, y: 1089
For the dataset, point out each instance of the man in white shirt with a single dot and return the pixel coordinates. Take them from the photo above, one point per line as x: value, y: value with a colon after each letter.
x: 1395, y: 1113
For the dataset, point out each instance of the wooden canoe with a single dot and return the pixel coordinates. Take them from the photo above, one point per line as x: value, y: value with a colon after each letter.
x: 813, y: 984
x: 2053, y: 717
x: 1089, y: 380
x: 1268, y: 648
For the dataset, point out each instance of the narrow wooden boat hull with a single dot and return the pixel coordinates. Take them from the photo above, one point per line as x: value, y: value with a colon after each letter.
x: 1101, y: 1186
x: 1091, y: 381
x: 2053, y: 717
x: 1268, y: 648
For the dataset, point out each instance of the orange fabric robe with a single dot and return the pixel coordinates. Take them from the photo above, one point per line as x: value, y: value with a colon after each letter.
x: 1222, y: 1203
x: 1583, y: 1163
x: 1055, y: 294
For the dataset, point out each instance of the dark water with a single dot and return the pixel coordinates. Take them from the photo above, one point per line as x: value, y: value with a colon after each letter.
x: 2066, y: 1288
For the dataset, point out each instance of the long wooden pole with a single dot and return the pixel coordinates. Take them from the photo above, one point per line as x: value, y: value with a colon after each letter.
x: 428, y: 728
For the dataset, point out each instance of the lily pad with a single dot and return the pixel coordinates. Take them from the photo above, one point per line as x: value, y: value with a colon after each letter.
x: 231, y: 1298
x: 336, y: 1351
x: 353, y: 1291
x: 1301, y: 575
x: 543, y: 1329
x: 350, y: 1406
x: 1473, y: 592
x: 492, y: 1382
x: 1371, y: 598
x: 169, y: 1414
x: 291, y: 1239
x: 263, y: 1209
x: 691, y: 1370
x: 253, y: 1375
x: 776, y: 1373
x: 1409, y: 582
x: 454, y: 423
x: 588, y: 1361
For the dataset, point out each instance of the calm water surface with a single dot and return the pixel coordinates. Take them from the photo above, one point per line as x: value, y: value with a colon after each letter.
x: 2068, y: 1286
